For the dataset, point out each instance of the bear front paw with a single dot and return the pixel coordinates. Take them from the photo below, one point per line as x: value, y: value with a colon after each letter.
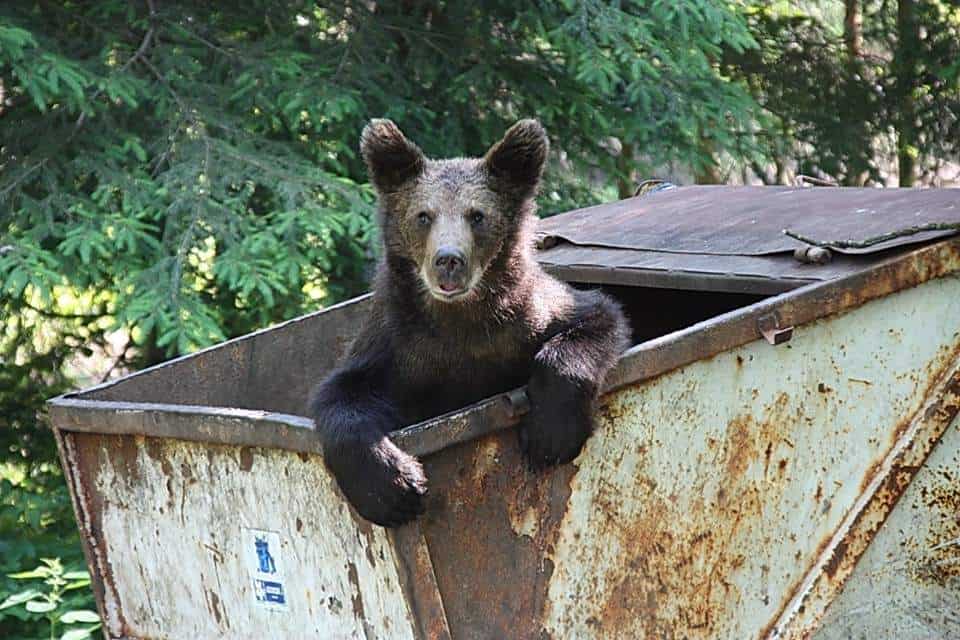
x: 383, y: 483
x: 559, y: 422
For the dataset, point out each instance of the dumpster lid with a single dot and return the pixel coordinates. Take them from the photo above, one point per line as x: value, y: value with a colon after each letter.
x: 750, y: 221
x: 732, y: 238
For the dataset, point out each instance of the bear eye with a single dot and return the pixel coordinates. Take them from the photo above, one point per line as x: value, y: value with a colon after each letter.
x: 476, y: 217
x: 424, y: 219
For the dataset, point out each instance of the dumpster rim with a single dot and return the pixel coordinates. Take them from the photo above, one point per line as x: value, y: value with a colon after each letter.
x: 642, y: 362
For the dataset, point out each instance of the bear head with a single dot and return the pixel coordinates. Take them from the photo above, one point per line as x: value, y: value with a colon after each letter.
x: 450, y: 223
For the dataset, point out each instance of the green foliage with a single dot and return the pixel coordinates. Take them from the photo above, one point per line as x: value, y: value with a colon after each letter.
x: 56, y: 597
x: 36, y: 520
x: 198, y: 163
x: 837, y: 108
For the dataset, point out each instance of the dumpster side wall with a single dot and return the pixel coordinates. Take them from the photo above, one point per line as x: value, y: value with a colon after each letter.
x: 204, y: 541
x: 707, y: 493
x: 271, y: 370
x: 907, y: 584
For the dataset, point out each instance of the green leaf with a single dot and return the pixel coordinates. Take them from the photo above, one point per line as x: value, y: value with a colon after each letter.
x: 79, y: 615
x: 20, y: 598
x: 77, y: 575
x: 79, y: 584
x: 78, y: 634
x: 37, y: 606
x: 39, y: 572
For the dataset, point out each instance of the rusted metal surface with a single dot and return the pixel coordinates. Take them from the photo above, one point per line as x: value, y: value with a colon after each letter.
x: 489, y: 525
x: 166, y: 519
x: 749, y: 221
x: 907, y: 584
x: 216, y: 425
x: 707, y: 492
x: 420, y: 582
x: 102, y: 590
x: 838, y: 560
x: 773, y: 330
x: 795, y: 308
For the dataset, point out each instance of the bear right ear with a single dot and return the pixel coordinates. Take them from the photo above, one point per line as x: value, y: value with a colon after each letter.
x: 391, y: 159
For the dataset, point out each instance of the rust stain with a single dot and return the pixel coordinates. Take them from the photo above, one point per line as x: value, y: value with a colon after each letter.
x: 86, y: 454
x: 245, y: 458
x: 213, y: 604
x: 942, y: 408
x: 739, y: 447
x: 940, y: 561
x: 357, y: 599
x: 492, y: 524
x: 691, y: 555
x: 837, y: 558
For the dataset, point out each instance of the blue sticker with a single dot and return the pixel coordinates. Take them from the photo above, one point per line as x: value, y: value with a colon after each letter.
x: 269, y: 592
x: 262, y: 551
x: 267, y: 565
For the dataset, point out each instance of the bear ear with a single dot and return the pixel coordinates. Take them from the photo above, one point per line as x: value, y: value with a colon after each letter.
x: 391, y: 159
x: 517, y: 161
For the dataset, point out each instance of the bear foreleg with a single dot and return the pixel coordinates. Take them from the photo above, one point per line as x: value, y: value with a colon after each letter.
x: 568, y: 373
x: 353, y: 417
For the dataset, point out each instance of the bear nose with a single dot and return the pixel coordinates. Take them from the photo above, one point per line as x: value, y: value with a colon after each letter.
x: 450, y: 260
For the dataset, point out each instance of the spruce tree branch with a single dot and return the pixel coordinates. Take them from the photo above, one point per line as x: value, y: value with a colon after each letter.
x: 122, y: 358
x: 81, y: 119
x: 138, y: 54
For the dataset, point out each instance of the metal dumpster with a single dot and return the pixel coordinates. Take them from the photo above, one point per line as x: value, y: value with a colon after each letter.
x: 778, y: 456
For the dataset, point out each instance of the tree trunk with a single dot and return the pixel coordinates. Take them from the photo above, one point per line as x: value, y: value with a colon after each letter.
x: 905, y: 66
x: 626, y: 183
x: 853, y: 29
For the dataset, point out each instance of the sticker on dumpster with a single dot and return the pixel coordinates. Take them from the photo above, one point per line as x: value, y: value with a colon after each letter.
x: 262, y: 552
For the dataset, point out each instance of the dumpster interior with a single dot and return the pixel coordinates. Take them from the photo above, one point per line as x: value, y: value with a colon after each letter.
x: 655, y: 312
x: 274, y: 370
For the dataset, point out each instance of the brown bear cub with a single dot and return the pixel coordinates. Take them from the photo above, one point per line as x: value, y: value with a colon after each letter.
x: 461, y: 311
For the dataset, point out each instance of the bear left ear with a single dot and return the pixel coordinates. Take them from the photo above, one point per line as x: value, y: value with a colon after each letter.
x: 517, y: 161
x: 391, y: 159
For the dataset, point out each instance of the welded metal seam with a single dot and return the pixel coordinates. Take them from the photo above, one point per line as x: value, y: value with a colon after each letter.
x: 851, y: 538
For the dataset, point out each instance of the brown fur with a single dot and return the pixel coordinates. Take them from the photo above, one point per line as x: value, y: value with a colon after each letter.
x: 422, y: 352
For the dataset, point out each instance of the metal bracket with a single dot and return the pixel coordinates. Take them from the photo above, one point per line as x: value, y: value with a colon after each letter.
x: 771, y: 329
x: 518, y: 401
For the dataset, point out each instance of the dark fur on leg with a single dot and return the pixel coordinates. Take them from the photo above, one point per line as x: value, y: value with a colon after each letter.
x: 567, y: 374
x: 384, y: 484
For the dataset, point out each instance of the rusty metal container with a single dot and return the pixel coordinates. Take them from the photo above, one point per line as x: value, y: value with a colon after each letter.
x: 778, y: 456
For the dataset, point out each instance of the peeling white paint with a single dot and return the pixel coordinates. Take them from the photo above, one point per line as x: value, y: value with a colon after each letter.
x: 173, y: 526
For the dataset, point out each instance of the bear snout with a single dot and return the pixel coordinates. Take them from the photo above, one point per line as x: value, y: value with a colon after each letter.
x: 450, y: 269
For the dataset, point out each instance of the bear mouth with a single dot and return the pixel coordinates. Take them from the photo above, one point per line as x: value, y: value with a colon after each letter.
x: 449, y: 296
x: 450, y: 291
